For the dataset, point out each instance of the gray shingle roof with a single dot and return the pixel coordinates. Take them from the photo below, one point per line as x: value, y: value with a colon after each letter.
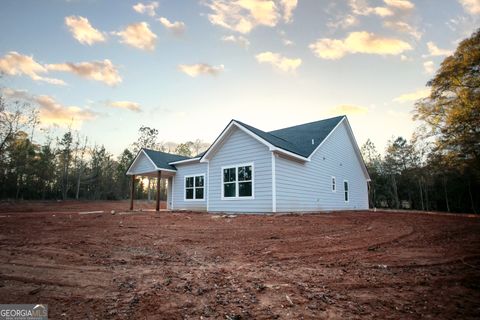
x: 301, y: 135
x: 276, y: 141
x: 298, y: 139
x: 161, y: 159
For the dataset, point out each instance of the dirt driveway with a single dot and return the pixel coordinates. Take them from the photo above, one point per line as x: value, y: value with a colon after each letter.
x: 98, y: 265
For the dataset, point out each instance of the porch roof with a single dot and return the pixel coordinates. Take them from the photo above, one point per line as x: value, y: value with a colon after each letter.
x: 162, y: 159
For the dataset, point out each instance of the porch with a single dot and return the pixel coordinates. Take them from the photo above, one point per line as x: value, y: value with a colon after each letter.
x: 155, y: 165
x: 158, y: 177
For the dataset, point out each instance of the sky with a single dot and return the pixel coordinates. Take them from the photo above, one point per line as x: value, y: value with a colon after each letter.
x: 188, y: 67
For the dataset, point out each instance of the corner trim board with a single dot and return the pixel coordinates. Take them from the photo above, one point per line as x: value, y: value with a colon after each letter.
x: 274, y: 185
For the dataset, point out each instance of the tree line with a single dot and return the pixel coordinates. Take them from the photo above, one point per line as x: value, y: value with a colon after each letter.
x: 69, y: 167
x: 437, y: 169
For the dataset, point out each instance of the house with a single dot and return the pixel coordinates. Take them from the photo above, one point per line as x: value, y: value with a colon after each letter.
x: 315, y: 166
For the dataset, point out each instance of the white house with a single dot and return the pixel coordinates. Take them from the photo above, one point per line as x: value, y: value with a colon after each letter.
x: 315, y: 166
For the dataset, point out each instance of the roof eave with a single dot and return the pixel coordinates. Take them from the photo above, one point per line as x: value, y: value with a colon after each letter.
x: 185, y: 161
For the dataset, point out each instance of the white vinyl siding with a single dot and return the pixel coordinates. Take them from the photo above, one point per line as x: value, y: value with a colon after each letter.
x: 142, y: 164
x: 189, y: 169
x: 307, y: 186
x: 240, y: 148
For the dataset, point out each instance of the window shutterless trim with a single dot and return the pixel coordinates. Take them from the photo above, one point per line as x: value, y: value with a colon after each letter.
x: 236, y: 166
x: 194, y: 187
x: 346, y: 191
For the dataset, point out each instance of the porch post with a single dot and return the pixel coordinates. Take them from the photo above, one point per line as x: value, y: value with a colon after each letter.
x: 132, y: 192
x: 159, y: 178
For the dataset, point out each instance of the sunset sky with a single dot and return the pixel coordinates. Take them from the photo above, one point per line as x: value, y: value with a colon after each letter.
x: 188, y: 67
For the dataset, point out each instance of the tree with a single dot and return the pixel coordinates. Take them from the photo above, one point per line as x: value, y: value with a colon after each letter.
x: 122, y: 181
x: 184, y: 149
x: 147, y: 139
x: 400, y: 160
x: 65, y: 154
x: 373, y: 163
x: 79, y: 163
x: 198, y: 146
x: 452, y: 111
x: 15, y: 116
x: 44, y: 168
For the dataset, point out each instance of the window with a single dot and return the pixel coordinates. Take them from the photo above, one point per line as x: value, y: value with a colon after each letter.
x: 334, y: 187
x: 195, y: 187
x: 345, y: 189
x: 237, y: 181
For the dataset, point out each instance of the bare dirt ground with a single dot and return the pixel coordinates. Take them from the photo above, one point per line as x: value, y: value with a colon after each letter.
x: 150, y: 265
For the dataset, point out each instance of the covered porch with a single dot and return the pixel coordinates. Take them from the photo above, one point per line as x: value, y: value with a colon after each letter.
x: 154, y: 165
x: 158, y: 176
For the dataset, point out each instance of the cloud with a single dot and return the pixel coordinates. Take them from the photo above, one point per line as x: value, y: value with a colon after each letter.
x: 400, y: 4
x: 413, y: 96
x: 103, y: 71
x: 433, y: 50
x: 358, y: 42
x: 240, y: 40
x: 244, y: 15
x: 138, y: 35
x: 348, y: 110
x: 133, y: 106
x: 83, y: 31
x: 403, y: 27
x: 16, y: 94
x: 51, y: 111
x: 471, y: 6
x: 14, y: 63
x: 343, y: 21
x: 278, y: 61
x: 382, y: 11
x: 285, y: 40
x: 429, y: 67
x: 194, y: 70
x: 288, y: 7
x: 176, y: 27
x: 360, y: 7
x: 148, y: 9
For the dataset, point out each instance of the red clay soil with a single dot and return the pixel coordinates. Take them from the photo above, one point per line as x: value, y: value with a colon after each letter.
x: 148, y: 265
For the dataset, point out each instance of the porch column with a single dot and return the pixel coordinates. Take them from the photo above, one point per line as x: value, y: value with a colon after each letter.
x: 159, y: 178
x: 132, y: 192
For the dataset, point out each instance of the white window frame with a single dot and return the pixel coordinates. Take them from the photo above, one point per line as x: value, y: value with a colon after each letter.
x: 194, y: 187
x: 333, y: 184
x: 236, y: 166
x: 347, y: 192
